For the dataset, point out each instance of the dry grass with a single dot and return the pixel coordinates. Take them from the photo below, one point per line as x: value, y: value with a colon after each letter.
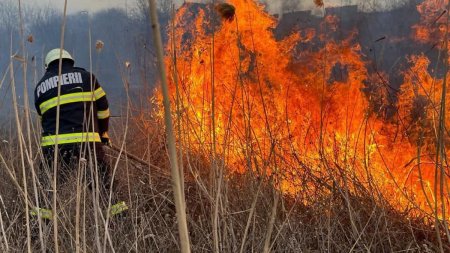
x: 316, y: 222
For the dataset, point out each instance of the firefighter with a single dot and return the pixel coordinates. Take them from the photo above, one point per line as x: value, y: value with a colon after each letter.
x: 83, y: 120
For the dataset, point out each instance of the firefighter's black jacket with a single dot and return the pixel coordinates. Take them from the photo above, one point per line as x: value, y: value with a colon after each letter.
x: 84, y: 112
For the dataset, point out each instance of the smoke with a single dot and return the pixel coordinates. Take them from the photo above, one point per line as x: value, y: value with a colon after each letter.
x: 283, y: 6
x: 273, y: 6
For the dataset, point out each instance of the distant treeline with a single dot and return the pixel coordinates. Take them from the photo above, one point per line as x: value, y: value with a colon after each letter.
x: 126, y: 35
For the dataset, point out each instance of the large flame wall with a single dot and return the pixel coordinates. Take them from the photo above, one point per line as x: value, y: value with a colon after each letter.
x: 263, y: 105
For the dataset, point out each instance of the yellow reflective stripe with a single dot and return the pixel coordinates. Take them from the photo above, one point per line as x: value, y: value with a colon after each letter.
x: 99, y: 93
x: 103, y: 114
x: 118, y: 208
x: 44, y: 213
x: 66, y: 99
x: 70, y: 138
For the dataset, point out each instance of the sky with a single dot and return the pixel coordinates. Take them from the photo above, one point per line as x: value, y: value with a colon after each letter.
x: 74, y: 6
x: 274, y: 6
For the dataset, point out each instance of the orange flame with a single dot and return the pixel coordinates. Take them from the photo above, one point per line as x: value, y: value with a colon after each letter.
x: 266, y: 106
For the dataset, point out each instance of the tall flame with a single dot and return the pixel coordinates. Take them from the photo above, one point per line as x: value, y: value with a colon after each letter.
x: 266, y: 105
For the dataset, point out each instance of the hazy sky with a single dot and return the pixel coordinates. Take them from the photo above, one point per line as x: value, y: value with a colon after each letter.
x: 80, y: 5
x: 273, y: 5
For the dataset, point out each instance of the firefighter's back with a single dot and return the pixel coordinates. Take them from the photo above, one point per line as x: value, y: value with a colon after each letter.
x: 77, y: 116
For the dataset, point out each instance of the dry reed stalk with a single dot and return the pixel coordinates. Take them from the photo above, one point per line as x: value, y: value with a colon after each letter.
x: 85, y: 245
x: 248, y: 148
x: 440, y: 173
x: 272, y: 141
x: 93, y: 164
x: 33, y: 169
x: 250, y: 217
x: 80, y: 172
x: 55, y: 154
x: 288, y: 215
x: 4, y: 238
x: 362, y: 232
x: 120, y: 151
x: 271, y: 222
x: 277, y: 191
x: 28, y: 149
x: 22, y: 159
x: 419, y: 169
x: 217, y: 175
x: 178, y: 101
x: 443, y: 174
x: 126, y: 77
x: 176, y: 178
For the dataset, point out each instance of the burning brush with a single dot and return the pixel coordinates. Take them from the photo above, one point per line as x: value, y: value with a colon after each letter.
x: 226, y: 11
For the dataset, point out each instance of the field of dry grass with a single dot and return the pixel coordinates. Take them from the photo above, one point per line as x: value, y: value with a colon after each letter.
x: 330, y: 218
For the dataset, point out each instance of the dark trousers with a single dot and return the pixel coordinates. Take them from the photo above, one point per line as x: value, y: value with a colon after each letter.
x: 72, y: 157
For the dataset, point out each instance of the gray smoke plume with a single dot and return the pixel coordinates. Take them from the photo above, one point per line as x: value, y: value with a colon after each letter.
x: 281, y: 7
x: 273, y: 6
x: 285, y: 6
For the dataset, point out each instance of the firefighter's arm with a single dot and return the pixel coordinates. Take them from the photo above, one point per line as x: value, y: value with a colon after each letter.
x: 37, y: 105
x: 103, y: 112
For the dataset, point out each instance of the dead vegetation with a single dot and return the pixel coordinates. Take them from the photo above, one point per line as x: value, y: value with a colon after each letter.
x: 327, y: 216
x: 327, y: 219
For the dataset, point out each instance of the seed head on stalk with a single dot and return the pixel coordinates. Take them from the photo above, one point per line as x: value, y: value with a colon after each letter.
x: 99, y: 45
x: 319, y: 3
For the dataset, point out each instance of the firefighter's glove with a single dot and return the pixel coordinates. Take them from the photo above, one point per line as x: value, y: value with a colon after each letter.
x: 105, y: 139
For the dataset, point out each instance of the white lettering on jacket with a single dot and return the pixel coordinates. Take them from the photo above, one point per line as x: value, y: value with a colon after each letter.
x: 52, y: 82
